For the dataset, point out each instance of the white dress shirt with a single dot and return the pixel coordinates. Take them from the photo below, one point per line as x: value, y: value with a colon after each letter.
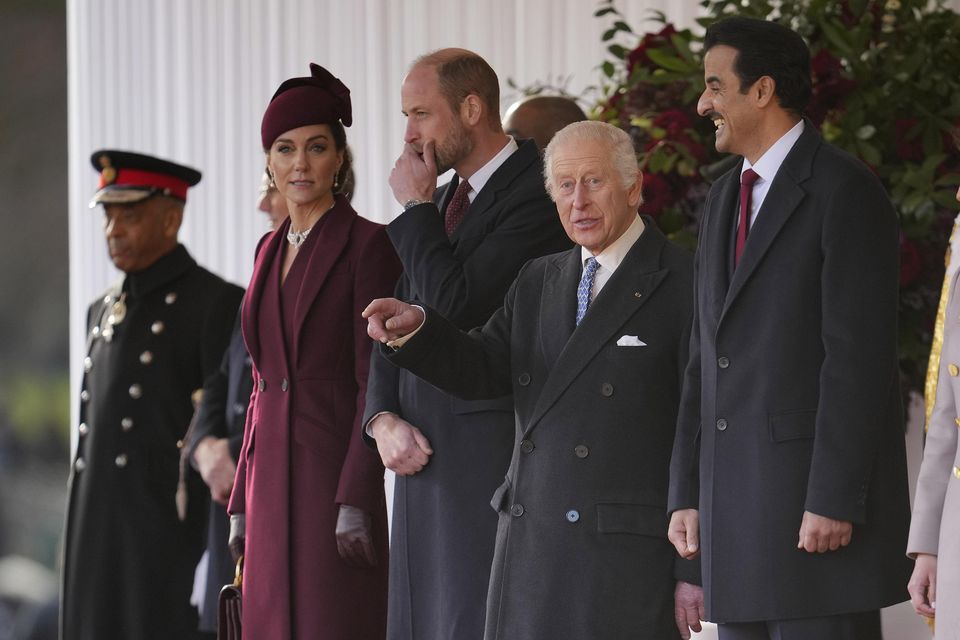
x: 611, y: 257
x: 767, y: 167
x: 482, y: 175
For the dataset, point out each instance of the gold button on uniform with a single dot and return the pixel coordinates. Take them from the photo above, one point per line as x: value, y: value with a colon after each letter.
x: 146, y: 357
x: 954, y: 371
x: 170, y: 298
x: 84, y: 429
x: 957, y: 420
x: 956, y: 472
x: 157, y: 328
x: 126, y: 424
x: 87, y: 364
x: 121, y: 460
x: 135, y: 391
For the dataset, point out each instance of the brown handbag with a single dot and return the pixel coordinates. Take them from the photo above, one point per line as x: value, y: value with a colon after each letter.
x: 228, y: 607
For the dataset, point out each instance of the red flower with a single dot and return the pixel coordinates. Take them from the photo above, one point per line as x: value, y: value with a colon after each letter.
x: 830, y: 86
x: 911, y: 263
x: 650, y: 41
x: 657, y: 194
x: 909, y: 146
x: 674, y: 122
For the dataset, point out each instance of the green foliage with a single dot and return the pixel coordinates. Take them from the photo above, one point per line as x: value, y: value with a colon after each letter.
x: 38, y: 409
x: 886, y: 89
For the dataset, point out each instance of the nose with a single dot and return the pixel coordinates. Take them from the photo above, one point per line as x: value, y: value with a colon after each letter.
x: 703, y: 104
x: 410, y: 133
x: 300, y: 160
x: 580, y: 196
x: 113, y: 228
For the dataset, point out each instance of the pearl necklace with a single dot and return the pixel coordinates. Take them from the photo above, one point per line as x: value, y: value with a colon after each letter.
x: 296, y: 238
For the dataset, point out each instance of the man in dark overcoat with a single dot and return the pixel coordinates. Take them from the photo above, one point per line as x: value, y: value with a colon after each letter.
x: 461, y: 246
x: 789, y: 460
x: 130, y: 550
x: 592, y: 342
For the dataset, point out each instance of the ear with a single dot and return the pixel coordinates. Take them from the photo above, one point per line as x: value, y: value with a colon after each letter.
x: 764, y: 91
x: 471, y: 110
x: 635, y: 195
x: 172, y: 219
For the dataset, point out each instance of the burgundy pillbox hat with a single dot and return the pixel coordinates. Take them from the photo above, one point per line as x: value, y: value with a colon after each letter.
x: 317, y: 99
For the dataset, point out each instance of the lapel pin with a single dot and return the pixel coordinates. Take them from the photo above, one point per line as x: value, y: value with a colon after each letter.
x: 637, y: 294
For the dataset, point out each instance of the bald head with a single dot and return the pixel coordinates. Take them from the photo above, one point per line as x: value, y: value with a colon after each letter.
x: 460, y: 73
x: 540, y: 117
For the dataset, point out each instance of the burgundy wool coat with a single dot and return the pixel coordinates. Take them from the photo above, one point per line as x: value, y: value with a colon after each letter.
x: 302, y: 454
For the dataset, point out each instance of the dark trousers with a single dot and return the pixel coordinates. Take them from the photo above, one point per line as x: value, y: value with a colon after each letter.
x: 851, y: 626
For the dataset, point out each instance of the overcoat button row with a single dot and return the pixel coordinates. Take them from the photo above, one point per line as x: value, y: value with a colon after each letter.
x: 79, y: 465
x: 516, y: 510
x: 283, y: 385
x: 121, y: 460
x: 261, y: 385
x: 721, y: 425
x: 581, y: 451
x: 146, y: 357
x: 84, y: 396
x: 573, y: 515
x: 523, y: 379
x: 526, y: 446
x: 84, y: 429
x: 87, y: 364
x: 157, y: 327
x: 126, y: 424
x: 606, y: 389
x: 135, y: 391
x: 723, y: 362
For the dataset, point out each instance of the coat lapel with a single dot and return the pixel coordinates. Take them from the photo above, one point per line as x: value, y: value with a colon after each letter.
x: 268, y: 248
x: 334, y: 235
x: 720, y: 213
x: 558, y: 304
x: 627, y: 290
x: 782, y: 200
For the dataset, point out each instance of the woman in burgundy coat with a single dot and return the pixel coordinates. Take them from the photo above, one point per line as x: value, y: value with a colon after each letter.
x: 308, y: 493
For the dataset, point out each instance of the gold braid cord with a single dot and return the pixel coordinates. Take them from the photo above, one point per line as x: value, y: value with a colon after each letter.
x: 933, y: 366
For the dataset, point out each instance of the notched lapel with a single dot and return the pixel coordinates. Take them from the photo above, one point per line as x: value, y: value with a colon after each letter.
x: 262, y: 266
x: 558, y: 304
x: 719, y: 215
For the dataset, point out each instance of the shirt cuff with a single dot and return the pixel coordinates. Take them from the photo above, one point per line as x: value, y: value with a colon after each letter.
x: 402, y: 340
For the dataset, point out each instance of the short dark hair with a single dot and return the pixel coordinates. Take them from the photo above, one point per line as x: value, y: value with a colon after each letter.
x: 766, y: 48
x: 461, y: 73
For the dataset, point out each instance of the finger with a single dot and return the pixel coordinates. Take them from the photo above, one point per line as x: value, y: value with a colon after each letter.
x: 422, y: 444
x: 835, y: 541
x: 823, y: 543
x: 693, y: 619
x: 680, y: 617
x: 932, y: 594
x: 429, y: 158
x: 846, y: 537
x: 369, y: 553
x: 692, y: 538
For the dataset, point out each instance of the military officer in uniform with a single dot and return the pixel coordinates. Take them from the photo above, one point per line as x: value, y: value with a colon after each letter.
x: 131, y: 542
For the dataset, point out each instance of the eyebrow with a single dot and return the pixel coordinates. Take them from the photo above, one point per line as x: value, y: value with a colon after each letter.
x: 712, y: 79
x: 310, y: 139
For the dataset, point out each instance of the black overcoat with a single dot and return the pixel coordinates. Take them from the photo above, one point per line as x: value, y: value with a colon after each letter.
x: 581, y: 547
x: 443, y: 528
x: 791, y: 397
x: 128, y: 560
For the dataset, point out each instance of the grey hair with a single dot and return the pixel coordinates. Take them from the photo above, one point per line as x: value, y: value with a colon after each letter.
x: 622, y: 154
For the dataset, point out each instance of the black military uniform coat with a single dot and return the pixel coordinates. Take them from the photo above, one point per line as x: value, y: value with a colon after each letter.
x: 581, y: 548
x: 791, y: 400
x: 129, y: 561
x: 443, y: 528
x: 222, y: 414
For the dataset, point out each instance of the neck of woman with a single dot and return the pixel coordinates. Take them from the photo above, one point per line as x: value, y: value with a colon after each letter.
x: 304, y: 216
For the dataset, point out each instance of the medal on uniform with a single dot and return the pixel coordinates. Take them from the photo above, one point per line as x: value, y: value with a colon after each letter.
x: 118, y: 311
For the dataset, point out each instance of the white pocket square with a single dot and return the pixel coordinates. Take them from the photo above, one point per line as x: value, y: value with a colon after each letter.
x: 630, y: 341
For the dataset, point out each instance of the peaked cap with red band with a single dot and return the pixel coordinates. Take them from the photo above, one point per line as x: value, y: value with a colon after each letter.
x: 128, y: 178
x: 318, y: 99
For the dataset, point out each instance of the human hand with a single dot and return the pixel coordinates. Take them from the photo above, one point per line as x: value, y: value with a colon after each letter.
x: 688, y: 608
x: 216, y: 467
x: 923, y: 585
x: 389, y: 319
x: 238, y: 535
x: 355, y: 537
x: 684, y: 532
x: 402, y: 447
x: 414, y: 174
x: 819, y: 534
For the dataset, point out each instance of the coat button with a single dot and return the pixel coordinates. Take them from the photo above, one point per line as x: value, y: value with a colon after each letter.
x: 157, y: 327
x: 606, y: 389
x: 516, y: 510
x: 121, y: 461
x: 283, y: 385
x: 146, y: 357
x: 956, y: 472
x: 954, y: 371
x: 573, y: 515
x: 126, y: 424
x: 261, y: 385
x: 87, y: 364
x: 721, y: 425
x: 79, y: 465
x: 239, y: 408
x: 95, y: 331
x: 84, y: 429
x: 581, y: 451
x: 135, y: 391
x: 523, y: 379
x: 723, y: 362
x: 957, y: 420
x: 526, y: 446
x: 84, y: 396
x: 170, y: 298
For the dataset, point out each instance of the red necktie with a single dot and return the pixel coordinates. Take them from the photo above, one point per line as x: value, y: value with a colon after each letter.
x: 746, y: 190
x: 457, y: 208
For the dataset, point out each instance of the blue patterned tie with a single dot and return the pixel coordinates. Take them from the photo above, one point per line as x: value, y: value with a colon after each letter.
x: 585, y: 288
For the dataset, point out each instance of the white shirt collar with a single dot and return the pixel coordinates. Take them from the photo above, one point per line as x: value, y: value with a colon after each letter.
x: 483, y: 174
x: 769, y: 163
x: 611, y: 257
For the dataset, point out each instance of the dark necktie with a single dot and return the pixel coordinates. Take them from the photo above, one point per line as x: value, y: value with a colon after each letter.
x: 457, y: 208
x: 746, y: 190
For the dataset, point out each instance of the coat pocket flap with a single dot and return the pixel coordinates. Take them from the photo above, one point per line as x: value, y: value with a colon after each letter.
x: 499, y: 500
x: 638, y: 519
x: 460, y: 407
x: 795, y: 425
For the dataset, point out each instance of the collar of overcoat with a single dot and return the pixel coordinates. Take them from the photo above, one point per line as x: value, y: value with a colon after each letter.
x: 784, y: 197
x: 334, y: 235
x: 569, y: 350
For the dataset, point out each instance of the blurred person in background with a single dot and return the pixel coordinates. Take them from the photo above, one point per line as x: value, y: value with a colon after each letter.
x: 308, y: 508
x: 153, y: 338
x: 540, y: 117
